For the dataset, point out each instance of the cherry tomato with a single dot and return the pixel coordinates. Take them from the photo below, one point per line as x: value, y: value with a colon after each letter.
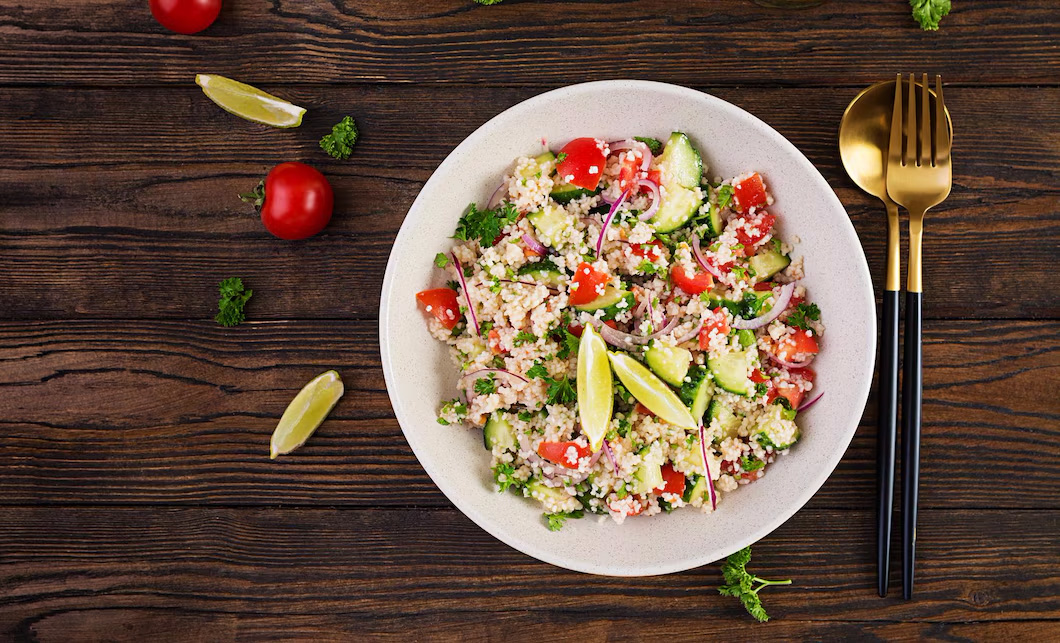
x: 441, y: 302
x: 561, y: 453
x: 296, y: 202
x: 583, y: 164
x: 650, y: 251
x: 185, y: 16
x: 692, y: 284
x: 749, y: 193
x: 590, y: 282
x: 759, y: 228
x: 673, y: 481
x: 715, y: 321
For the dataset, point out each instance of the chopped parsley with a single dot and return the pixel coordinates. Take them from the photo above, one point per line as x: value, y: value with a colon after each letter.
x: 799, y: 317
x: 441, y: 260
x: 751, y: 463
x: 504, y: 476
x: 560, y: 391
x: 555, y: 521
x: 486, y: 385
x: 339, y: 143
x: 741, y: 584
x: 537, y: 371
x: 453, y: 285
x: 568, y: 344
x: 526, y: 416
x: 454, y: 407
x: 524, y: 337
x: 655, y: 145
x: 724, y: 193
x: 929, y: 12
x: 648, y: 268
x: 624, y: 426
x: 233, y: 298
x: 562, y: 156
x: 485, y: 225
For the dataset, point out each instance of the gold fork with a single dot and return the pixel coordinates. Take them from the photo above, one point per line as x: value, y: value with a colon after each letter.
x: 919, y: 176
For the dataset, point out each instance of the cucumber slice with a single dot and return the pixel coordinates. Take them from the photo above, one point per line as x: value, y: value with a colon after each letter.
x: 554, y: 226
x: 730, y: 372
x: 679, y: 205
x: 545, y: 494
x: 768, y: 263
x: 697, y: 392
x: 612, y: 302
x: 669, y: 362
x: 775, y: 430
x: 542, y: 166
x: 714, y: 222
x: 565, y: 193
x: 547, y: 276
x: 648, y: 476
x: 728, y: 422
x: 498, y: 432
x: 683, y: 162
x: 698, y: 490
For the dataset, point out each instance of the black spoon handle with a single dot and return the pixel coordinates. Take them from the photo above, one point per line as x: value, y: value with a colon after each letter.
x: 886, y: 430
x: 911, y: 399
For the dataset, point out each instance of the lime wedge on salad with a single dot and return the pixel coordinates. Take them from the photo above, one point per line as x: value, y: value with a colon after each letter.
x: 249, y: 102
x: 651, y: 391
x: 595, y: 398
x: 305, y: 413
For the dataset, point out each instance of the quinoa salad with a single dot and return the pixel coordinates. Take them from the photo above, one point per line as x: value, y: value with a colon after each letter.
x: 630, y: 334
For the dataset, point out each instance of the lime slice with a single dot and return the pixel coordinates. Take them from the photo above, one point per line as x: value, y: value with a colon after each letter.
x: 249, y: 102
x: 595, y: 397
x: 651, y: 391
x: 305, y: 413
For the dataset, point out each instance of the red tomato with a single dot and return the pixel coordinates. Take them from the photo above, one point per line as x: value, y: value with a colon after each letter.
x: 792, y: 394
x: 720, y: 267
x: 560, y: 453
x: 628, y: 171
x: 590, y: 282
x: 441, y: 302
x: 749, y: 193
x: 692, y: 284
x: 185, y: 16
x: 655, y: 176
x: 295, y: 200
x: 715, y: 321
x: 760, y: 227
x: 638, y: 506
x: 790, y: 346
x: 763, y: 286
x: 673, y: 481
x: 643, y: 410
x: 584, y: 163
x: 758, y: 376
x: 650, y: 251
x: 493, y: 338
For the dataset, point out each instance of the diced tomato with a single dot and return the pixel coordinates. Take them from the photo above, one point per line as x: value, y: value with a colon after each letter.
x: 561, y: 453
x: 628, y: 171
x: 655, y: 176
x: 441, y: 302
x: 643, y: 410
x: 749, y: 193
x: 578, y: 329
x: 494, y: 341
x: 638, y: 506
x: 763, y: 286
x: 673, y: 481
x: 590, y: 284
x: 583, y: 163
x: 650, y: 251
x: 759, y: 228
x: 793, y: 394
x: 723, y: 268
x: 715, y: 321
x: 758, y: 376
x: 790, y: 346
x: 694, y: 283
x: 530, y: 252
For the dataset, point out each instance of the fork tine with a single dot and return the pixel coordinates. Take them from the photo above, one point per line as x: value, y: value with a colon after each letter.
x: 925, y: 157
x: 910, y: 123
x: 942, y: 130
x: 894, y: 151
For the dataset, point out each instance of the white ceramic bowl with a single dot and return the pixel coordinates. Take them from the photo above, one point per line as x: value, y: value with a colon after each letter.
x: 419, y: 373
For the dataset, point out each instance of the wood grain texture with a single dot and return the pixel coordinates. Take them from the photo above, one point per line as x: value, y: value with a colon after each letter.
x: 527, y: 42
x: 164, y: 412
x: 243, y: 571
x: 154, y: 222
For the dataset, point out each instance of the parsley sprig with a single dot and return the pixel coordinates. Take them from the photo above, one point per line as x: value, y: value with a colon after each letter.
x: 556, y: 520
x: 233, y: 298
x: 560, y: 391
x: 800, y: 316
x: 485, y: 225
x: 741, y: 584
x: 339, y: 143
x: 929, y: 12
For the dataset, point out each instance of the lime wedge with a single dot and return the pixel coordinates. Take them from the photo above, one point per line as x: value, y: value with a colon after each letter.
x: 651, y: 391
x: 305, y: 413
x: 595, y: 398
x: 249, y: 102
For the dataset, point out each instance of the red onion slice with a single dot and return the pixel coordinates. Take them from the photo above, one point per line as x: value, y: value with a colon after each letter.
x: 611, y: 456
x: 645, y: 151
x: 697, y: 252
x: 656, y: 199
x: 808, y: 404
x: 467, y: 294
x: 803, y: 364
x: 779, y: 306
x: 706, y: 465
x: 534, y: 244
x: 471, y: 378
x: 619, y: 339
x: 607, y: 221
x: 495, y: 199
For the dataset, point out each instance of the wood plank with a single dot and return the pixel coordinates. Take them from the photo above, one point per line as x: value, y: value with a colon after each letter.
x: 86, y: 43
x: 72, y: 570
x: 175, y: 412
x: 114, y: 220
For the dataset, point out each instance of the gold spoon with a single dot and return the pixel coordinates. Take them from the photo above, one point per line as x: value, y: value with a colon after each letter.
x: 864, y: 139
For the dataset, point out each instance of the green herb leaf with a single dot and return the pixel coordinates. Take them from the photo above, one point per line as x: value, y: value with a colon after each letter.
x: 655, y: 145
x: 524, y: 337
x: 339, y: 143
x: 741, y: 584
x: 560, y: 391
x: 537, y: 371
x: 556, y: 520
x: 441, y: 260
x: 751, y: 463
x: 929, y: 12
x: 725, y: 193
x: 485, y: 225
x: 569, y: 344
x: 504, y: 476
x: 798, y: 318
x: 486, y: 385
x: 233, y: 299
x: 562, y: 156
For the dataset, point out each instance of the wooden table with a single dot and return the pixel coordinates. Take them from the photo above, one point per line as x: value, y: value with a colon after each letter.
x: 138, y: 499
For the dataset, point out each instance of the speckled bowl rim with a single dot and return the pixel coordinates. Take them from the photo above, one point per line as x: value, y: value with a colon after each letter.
x: 856, y: 396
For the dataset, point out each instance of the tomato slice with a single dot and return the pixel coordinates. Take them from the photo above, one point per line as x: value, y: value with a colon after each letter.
x: 564, y: 453
x: 763, y: 286
x: 628, y: 170
x: 749, y: 193
x: 643, y: 410
x: 692, y: 284
x: 650, y: 251
x: 759, y: 227
x: 441, y: 302
x: 758, y: 376
x: 583, y: 162
x: 715, y: 321
x: 588, y: 284
x: 673, y: 481
x: 791, y: 346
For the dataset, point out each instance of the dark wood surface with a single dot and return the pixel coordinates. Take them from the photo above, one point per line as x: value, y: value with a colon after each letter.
x: 137, y: 497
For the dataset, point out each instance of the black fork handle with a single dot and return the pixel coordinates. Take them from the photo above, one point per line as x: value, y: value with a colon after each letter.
x: 886, y: 432
x: 912, y: 391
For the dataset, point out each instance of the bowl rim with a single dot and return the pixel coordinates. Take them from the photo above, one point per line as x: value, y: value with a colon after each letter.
x: 534, y: 549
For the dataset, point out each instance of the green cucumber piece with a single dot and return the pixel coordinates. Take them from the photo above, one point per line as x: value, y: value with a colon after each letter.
x: 542, y: 493
x: 683, y: 162
x: 498, y: 432
x: 730, y: 372
x: 728, y: 422
x: 697, y: 391
x: 542, y: 166
x: 547, y: 274
x: 565, y: 193
x: 648, y: 476
x: 554, y: 226
x: 696, y: 489
x: 768, y: 263
x: 612, y: 302
x: 678, y: 207
x: 669, y: 362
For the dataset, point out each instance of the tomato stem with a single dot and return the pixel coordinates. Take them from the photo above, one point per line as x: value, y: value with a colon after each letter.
x: 257, y: 197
